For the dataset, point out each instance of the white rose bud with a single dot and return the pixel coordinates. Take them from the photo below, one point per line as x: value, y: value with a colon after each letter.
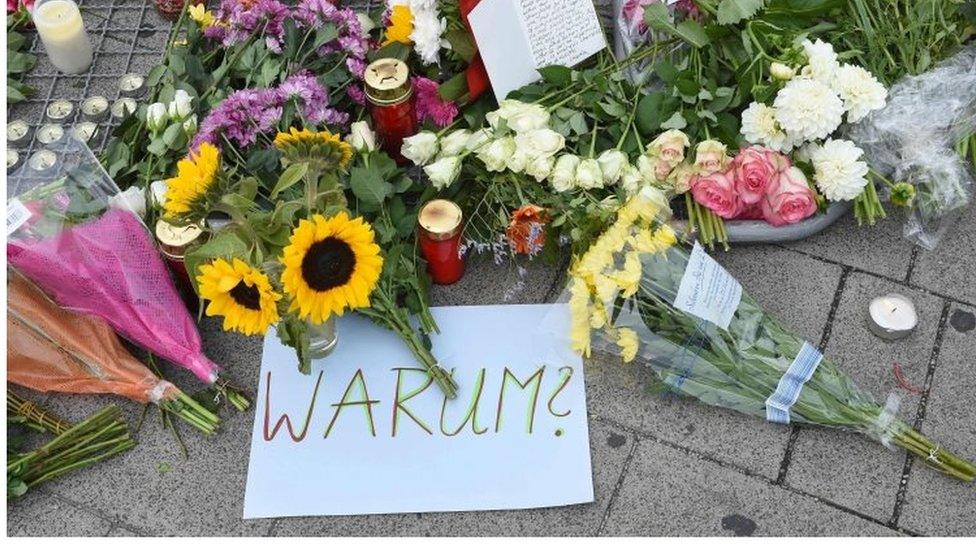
x: 540, y: 167
x: 156, y: 118
x: 529, y: 117
x: 612, y: 163
x: 477, y: 140
x: 779, y: 71
x: 361, y: 137
x: 132, y: 199
x: 495, y: 154
x: 630, y: 179
x: 444, y: 172
x: 421, y: 148
x: 563, y: 175
x: 455, y: 142
x: 541, y: 142
x: 588, y: 174
x: 181, y: 106
x: 506, y: 109
x: 158, y: 189
x: 190, y: 125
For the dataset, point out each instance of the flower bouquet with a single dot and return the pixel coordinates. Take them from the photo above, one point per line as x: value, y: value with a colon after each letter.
x: 703, y: 337
x: 99, y: 260
x: 51, y: 349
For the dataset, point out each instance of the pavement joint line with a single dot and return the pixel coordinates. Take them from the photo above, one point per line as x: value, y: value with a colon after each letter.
x: 858, y: 270
x: 114, y: 521
x: 911, y: 265
x: 639, y: 434
x: 824, y: 340
x: 619, y: 484
x: 920, y: 411
x: 559, y: 282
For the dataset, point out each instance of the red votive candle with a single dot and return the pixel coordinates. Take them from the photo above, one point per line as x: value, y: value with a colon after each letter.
x: 440, y: 240
x: 173, y: 241
x: 391, y: 104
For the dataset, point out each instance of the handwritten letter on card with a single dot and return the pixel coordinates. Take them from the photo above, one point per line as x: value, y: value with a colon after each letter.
x: 367, y: 432
x: 516, y: 37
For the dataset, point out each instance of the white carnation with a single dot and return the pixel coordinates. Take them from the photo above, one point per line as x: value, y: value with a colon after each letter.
x: 455, y: 142
x: 496, y: 153
x: 807, y: 110
x: 759, y: 125
x: 821, y: 61
x: 444, y: 172
x: 860, y: 91
x: 838, y: 169
x: 563, y: 177
x: 426, y: 35
x: 421, y: 148
x: 589, y: 175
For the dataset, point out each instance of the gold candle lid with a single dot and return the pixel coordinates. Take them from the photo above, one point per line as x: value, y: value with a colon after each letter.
x: 176, y: 236
x: 440, y: 219
x: 387, y: 81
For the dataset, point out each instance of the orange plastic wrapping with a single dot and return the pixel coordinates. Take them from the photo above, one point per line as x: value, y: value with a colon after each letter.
x: 50, y: 349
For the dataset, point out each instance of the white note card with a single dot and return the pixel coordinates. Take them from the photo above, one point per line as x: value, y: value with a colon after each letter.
x: 708, y: 291
x: 517, y: 37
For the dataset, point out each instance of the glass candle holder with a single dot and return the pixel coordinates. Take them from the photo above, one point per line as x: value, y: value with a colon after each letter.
x: 59, y: 24
x: 391, y: 104
x: 439, y: 234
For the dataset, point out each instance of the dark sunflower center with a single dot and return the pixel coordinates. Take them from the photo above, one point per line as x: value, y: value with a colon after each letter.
x: 329, y: 263
x: 246, y: 296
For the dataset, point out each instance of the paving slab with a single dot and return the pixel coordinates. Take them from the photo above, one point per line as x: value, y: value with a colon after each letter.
x: 486, y: 281
x: 847, y: 468
x: 671, y: 492
x: 609, y: 448
x: 934, y: 504
x: 880, y: 249
x: 41, y: 514
x: 949, y: 268
x: 794, y: 288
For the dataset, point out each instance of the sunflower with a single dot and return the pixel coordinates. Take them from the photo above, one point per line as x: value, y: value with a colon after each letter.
x: 242, y: 294
x: 400, y: 26
x: 195, y: 178
x: 330, y: 265
x: 325, y: 149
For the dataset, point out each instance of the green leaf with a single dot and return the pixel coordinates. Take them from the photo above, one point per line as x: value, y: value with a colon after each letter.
x: 292, y: 174
x: 676, y: 122
x: 226, y: 243
x: 693, y: 33
x: 461, y: 44
x: 657, y: 17
x: 368, y: 185
x: 731, y: 12
x: 174, y: 137
x: 557, y: 75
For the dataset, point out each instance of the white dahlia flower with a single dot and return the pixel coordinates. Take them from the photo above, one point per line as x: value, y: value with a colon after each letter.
x: 821, y: 61
x: 839, y: 172
x: 759, y: 125
x: 860, y: 91
x: 807, y: 110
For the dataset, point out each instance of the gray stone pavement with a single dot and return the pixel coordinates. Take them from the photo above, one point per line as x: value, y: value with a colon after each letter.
x: 661, y: 466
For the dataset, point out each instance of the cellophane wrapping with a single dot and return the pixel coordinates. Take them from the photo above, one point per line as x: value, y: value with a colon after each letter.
x: 913, y: 139
x: 623, y: 294
x: 91, y: 257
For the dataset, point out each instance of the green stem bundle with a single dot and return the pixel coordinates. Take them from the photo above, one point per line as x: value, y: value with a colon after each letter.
x: 34, y: 416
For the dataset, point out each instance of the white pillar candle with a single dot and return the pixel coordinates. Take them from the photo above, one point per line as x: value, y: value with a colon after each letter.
x: 62, y: 30
x: 892, y: 316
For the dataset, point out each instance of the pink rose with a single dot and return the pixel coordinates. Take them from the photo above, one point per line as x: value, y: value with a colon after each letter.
x: 716, y: 192
x: 751, y: 212
x: 788, y: 199
x: 753, y: 173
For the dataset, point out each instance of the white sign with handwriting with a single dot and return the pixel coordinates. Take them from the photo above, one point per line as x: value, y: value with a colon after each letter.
x: 516, y: 37
x: 367, y: 432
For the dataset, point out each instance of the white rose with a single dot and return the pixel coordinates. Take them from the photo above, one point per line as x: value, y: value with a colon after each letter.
x: 517, y: 161
x: 444, y: 172
x: 477, y: 140
x: 190, y: 124
x: 541, y: 142
x: 563, y: 176
x: 495, y: 154
x: 612, y: 163
x: 158, y: 189
x: 361, y: 137
x: 156, y: 118
x: 529, y: 117
x: 421, y: 148
x: 132, y: 199
x: 540, y: 167
x: 455, y: 142
x: 588, y: 174
x: 630, y: 179
x: 505, y: 109
x: 181, y: 106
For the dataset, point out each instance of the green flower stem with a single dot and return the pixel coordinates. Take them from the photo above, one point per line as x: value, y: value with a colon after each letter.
x: 35, y: 415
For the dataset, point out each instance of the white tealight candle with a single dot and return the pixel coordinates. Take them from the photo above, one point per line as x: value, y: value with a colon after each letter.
x: 892, y: 316
x: 62, y: 30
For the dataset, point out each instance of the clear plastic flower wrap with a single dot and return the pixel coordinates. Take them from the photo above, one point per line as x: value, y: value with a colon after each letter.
x: 638, y: 293
x: 67, y: 235
x: 913, y: 139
